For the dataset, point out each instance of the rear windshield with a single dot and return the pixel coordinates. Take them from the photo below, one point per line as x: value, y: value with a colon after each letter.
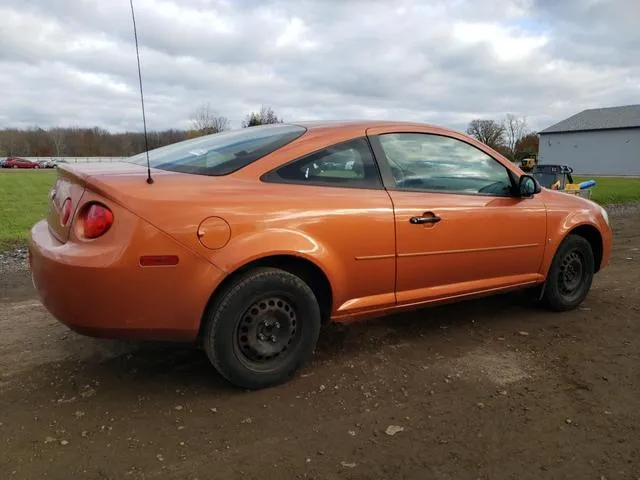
x: 221, y: 153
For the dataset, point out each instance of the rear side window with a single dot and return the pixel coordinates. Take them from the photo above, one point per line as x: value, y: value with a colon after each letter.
x: 221, y: 153
x: 347, y: 164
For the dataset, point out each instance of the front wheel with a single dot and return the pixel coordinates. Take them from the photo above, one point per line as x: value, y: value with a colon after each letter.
x: 262, y: 328
x: 570, y: 275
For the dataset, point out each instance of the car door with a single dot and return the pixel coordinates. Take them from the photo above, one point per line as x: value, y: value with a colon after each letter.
x: 459, y: 227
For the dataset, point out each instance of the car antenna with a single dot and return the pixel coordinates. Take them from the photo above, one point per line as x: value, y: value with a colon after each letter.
x: 144, y: 119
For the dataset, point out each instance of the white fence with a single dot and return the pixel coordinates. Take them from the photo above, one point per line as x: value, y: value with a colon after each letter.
x: 75, y: 159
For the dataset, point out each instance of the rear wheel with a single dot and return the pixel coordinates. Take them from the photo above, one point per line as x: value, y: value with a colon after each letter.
x: 570, y: 275
x: 262, y: 328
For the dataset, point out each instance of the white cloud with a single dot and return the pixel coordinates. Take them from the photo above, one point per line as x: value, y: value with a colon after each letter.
x: 294, y: 35
x: 437, y: 61
x: 507, y: 43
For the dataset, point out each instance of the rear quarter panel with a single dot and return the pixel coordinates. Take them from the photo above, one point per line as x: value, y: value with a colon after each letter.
x: 348, y: 233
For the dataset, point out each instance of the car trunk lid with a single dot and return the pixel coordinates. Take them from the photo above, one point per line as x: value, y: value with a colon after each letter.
x: 125, y: 184
x: 70, y: 185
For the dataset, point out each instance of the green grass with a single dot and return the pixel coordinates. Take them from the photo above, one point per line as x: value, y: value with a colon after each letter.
x: 610, y: 190
x: 23, y: 201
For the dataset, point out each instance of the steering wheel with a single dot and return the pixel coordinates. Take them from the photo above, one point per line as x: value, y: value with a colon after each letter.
x: 495, y: 187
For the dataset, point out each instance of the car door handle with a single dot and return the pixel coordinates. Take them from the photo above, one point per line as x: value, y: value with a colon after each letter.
x: 424, y: 219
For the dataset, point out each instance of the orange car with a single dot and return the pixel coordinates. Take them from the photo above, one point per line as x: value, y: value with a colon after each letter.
x: 249, y: 240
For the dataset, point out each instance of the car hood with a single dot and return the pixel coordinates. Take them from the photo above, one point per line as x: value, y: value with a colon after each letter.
x: 557, y: 198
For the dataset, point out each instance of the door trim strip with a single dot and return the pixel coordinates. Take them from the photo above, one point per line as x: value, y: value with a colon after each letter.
x: 375, y: 257
x: 468, y: 250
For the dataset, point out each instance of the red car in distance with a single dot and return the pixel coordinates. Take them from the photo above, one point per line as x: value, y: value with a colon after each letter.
x: 17, y: 162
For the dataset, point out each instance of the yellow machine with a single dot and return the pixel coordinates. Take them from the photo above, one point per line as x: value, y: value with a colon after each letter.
x: 558, y: 177
x: 528, y: 163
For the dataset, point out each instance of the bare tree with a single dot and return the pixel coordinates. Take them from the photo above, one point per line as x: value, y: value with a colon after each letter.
x: 489, y: 132
x: 10, y: 140
x: 81, y: 142
x: 515, y: 129
x: 264, y: 116
x: 57, y: 136
x: 206, y: 121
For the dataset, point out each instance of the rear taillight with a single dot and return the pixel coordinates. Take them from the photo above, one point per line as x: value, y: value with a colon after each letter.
x: 66, y: 211
x: 96, y: 221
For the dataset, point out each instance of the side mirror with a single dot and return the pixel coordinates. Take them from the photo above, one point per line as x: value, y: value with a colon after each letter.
x: 528, y: 186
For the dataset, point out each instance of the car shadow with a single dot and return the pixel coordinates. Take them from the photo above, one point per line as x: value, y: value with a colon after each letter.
x: 184, y: 366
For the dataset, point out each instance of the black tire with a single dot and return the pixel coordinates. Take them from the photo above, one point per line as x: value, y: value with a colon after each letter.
x: 262, y: 328
x: 570, y: 276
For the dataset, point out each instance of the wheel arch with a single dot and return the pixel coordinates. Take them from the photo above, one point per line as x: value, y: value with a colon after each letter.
x: 594, y: 237
x: 312, y: 274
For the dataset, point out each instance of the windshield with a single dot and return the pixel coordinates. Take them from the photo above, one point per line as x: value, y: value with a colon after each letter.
x: 220, y: 153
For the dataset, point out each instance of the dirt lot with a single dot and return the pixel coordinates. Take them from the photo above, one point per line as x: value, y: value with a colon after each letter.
x: 486, y: 389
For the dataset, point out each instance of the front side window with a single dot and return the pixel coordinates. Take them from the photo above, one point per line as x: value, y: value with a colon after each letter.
x: 437, y: 163
x: 348, y: 164
x: 221, y: 153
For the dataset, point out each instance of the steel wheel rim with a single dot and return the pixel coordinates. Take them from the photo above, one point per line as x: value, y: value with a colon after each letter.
x: 267, y: 333
x: 572, y: 273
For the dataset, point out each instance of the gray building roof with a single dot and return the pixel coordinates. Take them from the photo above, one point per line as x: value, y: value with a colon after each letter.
x: 627, y: 116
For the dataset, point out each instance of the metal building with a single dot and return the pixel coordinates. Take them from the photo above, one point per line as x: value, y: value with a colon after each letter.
x: 599, y: 141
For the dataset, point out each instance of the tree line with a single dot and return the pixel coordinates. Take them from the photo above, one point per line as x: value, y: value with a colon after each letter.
x: 89, y: 142
x: 509, y: 136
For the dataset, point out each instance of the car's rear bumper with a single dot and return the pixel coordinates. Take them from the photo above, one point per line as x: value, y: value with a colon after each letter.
x: 101, y: 290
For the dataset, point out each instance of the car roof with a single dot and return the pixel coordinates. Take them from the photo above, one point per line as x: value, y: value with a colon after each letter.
x: 339, y: 124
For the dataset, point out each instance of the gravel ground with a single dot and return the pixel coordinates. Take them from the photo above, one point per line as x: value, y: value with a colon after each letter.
x: 487, y: 389
x: 13, y: 260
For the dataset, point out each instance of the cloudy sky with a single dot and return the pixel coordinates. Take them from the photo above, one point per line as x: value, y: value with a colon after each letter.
x: 72, y: 62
